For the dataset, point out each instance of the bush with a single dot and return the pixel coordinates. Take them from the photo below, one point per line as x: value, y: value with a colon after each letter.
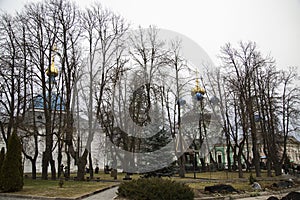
x: 155, y: 189
x: 12, y: 170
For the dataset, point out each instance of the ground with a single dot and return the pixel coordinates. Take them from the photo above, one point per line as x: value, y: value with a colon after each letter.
x: 103, y: 181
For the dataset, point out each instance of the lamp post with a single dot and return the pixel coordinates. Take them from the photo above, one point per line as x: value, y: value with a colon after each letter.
x: 198, y: 94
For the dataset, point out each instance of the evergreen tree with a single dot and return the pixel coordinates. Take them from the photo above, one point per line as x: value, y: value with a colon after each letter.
x: 12, y: 170
x: 2, y: 156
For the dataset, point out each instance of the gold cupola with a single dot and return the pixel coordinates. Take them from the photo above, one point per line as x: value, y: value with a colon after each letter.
x: 198, y: 89
x: 52, y: 71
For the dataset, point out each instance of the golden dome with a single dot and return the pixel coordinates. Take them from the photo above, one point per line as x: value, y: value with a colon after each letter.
x: 52, y: 71
x: 198, y: 89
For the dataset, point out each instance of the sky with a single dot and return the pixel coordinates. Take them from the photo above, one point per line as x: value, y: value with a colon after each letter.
x: 273, y: 24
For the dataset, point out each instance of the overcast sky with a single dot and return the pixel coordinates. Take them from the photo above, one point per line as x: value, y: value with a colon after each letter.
x: 273, y: 24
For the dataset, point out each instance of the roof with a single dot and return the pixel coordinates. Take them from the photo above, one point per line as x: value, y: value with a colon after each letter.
x: 57, y: 102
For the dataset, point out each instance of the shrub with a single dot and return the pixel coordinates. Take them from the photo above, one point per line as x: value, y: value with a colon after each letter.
x: 12, y: 170
x: 155, y: 189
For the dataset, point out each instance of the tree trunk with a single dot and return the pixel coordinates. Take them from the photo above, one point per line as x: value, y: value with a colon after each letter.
x: 47, y: 154
x: 33, y: 169
x: 67, y: 171
x: 228, y: 147
x: 269, y: 169
x: 59, y: 159
x: 82, y: 161
x: 277, y: 169
x: 256, y: 159
x: 45, y: 166
x: 239, y: 158
x: 91, y: 169
x: 53, y: 170
x: 182, y: 166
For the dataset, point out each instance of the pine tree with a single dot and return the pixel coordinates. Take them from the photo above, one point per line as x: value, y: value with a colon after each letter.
x: 12, y: 170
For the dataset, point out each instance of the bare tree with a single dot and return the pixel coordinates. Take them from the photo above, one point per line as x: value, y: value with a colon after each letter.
x: 15, y: 81
x: 241, y: 64
x: 266, y: 101
x: 46, y: 30
x: 148, y: 55
x: 288, y: 109
x: 66, y: 16
x: 30, y: 133
x: 12, y: 77
x: 222, y: 97
x: 221, y: 86
x: 42, y: 40
x: 103, y: 31
x: 174, y: 96
x: 265, y: 88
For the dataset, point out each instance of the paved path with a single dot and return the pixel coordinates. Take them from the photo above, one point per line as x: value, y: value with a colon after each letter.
x: 105, y: 195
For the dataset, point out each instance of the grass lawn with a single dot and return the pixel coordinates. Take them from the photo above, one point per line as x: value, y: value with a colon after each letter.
x: 223, y: 177
x: 70, y: 189
x: 74, y: 189
x: 51, y: 188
